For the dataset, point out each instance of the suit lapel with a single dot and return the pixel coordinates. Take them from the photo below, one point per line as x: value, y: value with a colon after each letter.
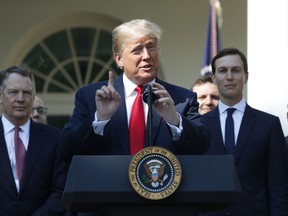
x: 120, y: 117
x: 212, y: 120
x: 5, y: 165
x: 247, y: 124
x: 217, y: 127
x: 34, y: 147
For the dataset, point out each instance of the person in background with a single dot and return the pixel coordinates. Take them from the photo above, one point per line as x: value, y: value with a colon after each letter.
x: 39, y: 111
x: 100, y: 122
x: 207, y: 93
x: 33, y: 174
x: 258, y: 141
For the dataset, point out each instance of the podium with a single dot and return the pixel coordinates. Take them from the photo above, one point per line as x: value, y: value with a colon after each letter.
x: 101, y: 184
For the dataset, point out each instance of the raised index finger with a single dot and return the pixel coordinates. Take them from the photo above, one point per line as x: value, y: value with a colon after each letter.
x: 111, y: 78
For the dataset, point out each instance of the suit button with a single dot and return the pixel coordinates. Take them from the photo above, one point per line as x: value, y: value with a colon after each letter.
x: 227, y: 214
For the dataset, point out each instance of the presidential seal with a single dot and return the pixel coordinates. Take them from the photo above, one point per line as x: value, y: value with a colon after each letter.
x: 154, y: 173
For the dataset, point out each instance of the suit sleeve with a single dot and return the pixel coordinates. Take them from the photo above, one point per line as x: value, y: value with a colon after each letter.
x: 78, y: 129
x: 195, y: 136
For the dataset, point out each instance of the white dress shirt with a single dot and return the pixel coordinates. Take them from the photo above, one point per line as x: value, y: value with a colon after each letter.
x: 237, y: 117
x: 9, y: 138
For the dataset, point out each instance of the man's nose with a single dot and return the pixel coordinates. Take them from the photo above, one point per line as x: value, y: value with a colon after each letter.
x: 20, y: 96
x: 208, y: 100
x: 146, y: 53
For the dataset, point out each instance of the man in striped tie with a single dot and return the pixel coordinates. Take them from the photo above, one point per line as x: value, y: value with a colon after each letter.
x: 257, y: 141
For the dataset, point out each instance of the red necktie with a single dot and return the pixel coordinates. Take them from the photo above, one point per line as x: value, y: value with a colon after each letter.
x: 137, y: 124
x: 20, y: 153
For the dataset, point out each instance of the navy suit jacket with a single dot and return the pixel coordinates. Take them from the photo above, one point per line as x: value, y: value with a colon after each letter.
x: 259, y: 158
x: 43, y: 179
x: 78, y: 138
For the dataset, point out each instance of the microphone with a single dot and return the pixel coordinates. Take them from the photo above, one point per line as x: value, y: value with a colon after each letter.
x: 148, y: 96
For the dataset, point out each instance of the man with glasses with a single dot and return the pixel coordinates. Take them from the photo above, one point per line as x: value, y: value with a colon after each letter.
x: 39, y: 111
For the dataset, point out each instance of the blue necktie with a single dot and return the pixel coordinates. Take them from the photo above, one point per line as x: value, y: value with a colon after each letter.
x: 229, y: 132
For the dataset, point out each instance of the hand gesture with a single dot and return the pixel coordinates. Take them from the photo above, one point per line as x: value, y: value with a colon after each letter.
x: 164, y: 105
x: 107, y: 100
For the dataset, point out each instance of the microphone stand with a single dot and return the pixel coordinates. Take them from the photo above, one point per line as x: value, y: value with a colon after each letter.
x: 149, y: 98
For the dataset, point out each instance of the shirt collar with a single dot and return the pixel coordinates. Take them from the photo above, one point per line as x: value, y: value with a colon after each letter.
x: 129, y: 86
x: 240, y: 106
x: 8, y: 126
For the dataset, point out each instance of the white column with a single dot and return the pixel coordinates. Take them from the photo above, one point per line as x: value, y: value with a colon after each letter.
x: 267, y: 54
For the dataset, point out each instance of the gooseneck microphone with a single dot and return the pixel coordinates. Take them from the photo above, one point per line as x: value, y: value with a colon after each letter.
x: 149, y: 97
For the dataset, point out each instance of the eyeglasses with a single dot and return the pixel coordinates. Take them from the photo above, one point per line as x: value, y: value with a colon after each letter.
x: 40, y: 110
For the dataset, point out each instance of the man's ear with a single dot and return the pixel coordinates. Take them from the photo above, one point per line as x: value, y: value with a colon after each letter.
x: 118, y: 60
x: 213, y: 78
x: 246, y: 77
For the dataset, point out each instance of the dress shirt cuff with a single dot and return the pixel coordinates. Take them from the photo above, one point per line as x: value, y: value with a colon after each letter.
x: 98, y: 126
x: 176, y: 131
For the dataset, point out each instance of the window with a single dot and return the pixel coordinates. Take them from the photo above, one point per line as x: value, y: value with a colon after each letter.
x: 71, y: 58
x: 66, y: 54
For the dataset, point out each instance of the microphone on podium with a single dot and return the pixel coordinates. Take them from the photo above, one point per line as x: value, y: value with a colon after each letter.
x: 149, y: 97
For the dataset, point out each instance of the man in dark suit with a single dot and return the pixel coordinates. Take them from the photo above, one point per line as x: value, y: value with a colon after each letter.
x: 286, y: 141
x: 258, y: 143
x: 100, y: 123
x: 37, y: 187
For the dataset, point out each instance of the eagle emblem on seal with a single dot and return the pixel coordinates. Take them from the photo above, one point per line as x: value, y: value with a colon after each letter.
x: 154, y: 170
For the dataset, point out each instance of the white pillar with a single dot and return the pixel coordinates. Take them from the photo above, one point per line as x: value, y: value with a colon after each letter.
x: 267, y: 54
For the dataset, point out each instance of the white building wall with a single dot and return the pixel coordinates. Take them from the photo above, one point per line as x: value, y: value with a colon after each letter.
x: 184, y: 23
x: 268, y: 57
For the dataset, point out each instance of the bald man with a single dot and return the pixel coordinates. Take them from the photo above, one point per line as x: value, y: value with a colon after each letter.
x: 39, y: 111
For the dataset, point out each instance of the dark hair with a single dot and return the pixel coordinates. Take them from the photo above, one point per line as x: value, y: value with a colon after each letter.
x: 229, y: 51
x: 4, y: 74
x: 206, y: 78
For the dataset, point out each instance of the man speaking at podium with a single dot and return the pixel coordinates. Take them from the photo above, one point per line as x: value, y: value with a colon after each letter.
x: 108, y: 118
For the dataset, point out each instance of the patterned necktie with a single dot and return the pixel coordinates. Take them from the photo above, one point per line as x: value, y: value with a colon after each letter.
x: 137, y: 124
x: 20, y: 153
x: 229, y: 132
